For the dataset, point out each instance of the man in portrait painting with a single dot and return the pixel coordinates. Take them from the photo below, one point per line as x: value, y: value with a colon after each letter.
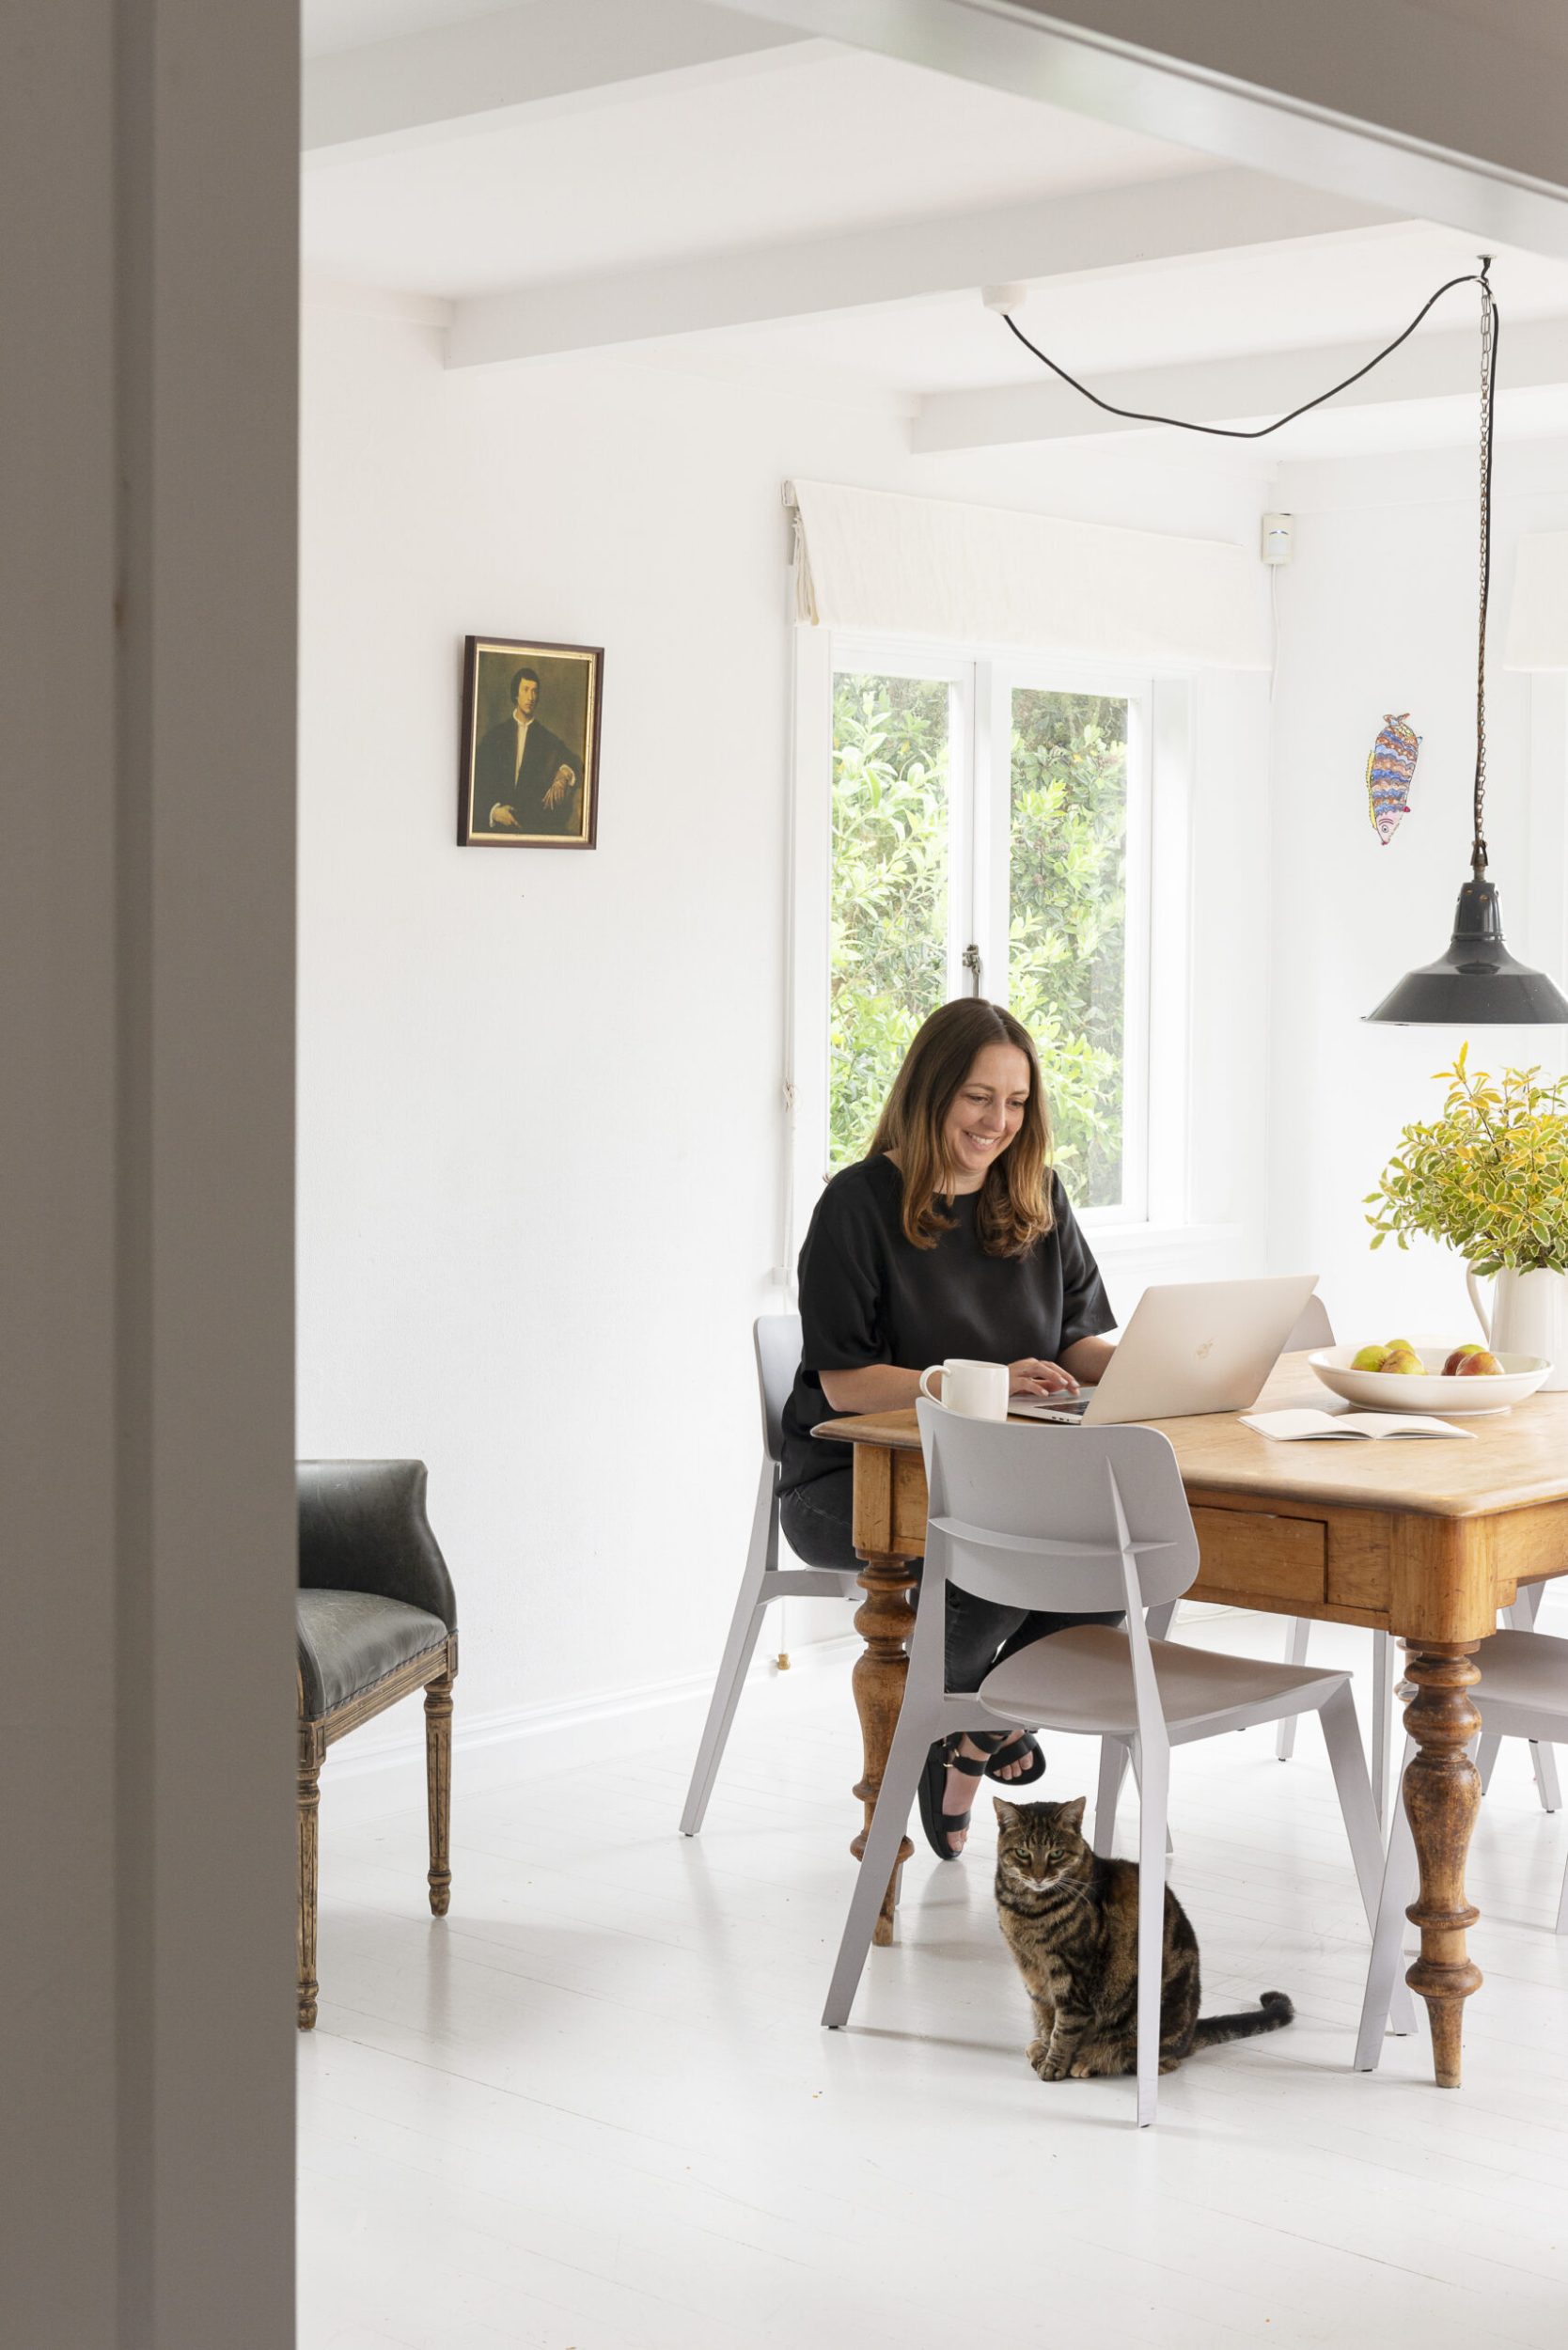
x: 526, y: 779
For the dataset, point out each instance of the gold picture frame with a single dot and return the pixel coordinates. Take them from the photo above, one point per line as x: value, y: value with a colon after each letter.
x: 528, y: 761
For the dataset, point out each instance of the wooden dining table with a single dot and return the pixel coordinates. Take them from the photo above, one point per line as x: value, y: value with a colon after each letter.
x: 1425, y: 1539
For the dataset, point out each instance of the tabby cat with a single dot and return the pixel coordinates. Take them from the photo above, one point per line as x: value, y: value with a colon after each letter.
x: 1070, y: 1920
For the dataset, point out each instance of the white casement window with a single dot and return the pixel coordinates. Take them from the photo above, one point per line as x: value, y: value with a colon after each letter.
x: 1004, y: 824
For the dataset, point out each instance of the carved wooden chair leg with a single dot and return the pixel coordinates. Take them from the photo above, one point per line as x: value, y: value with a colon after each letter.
x: 438, y: 1774
x: 309, y: 1810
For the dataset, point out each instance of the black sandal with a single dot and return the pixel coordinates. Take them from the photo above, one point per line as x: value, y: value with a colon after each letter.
x: 1003, y: 1745
x: 940, y: 1824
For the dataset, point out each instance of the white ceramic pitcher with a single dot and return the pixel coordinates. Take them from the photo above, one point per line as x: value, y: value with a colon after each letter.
x: 1528, y: 1316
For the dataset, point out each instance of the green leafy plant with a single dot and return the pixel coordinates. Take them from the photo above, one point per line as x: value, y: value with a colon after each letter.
x: 1489, y: 1177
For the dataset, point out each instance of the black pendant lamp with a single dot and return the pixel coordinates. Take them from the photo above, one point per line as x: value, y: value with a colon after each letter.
x: 1476, y: 982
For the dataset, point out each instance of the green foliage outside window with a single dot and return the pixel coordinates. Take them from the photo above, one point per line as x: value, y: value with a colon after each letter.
x: 1068, y: 931
x: 889, y: 892
x: 890, y: 904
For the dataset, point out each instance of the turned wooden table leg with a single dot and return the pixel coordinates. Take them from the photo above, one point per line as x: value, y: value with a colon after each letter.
x: 1442, y: 1796
x: 438, y: 1780
x: 885, y: 1621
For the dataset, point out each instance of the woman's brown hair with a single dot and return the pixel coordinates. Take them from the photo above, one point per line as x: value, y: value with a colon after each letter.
x: 1015, y: 1204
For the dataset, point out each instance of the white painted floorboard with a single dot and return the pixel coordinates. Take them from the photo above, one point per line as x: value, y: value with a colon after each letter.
x: 594, y: 2111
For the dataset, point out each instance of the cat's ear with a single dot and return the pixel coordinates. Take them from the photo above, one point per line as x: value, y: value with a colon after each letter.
x: 1006, y: 1814
x: 1072, y: 1815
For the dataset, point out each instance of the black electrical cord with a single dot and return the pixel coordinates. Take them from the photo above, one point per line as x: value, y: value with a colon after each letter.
x: 1258, y: 431
x: 1491, y: 337
x: 1491, y: 333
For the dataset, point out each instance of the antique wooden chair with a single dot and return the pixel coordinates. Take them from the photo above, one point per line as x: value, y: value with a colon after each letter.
x: 377, y: 1619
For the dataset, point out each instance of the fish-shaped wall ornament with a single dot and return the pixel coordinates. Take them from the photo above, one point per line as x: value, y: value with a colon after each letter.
x: 1390, y: 770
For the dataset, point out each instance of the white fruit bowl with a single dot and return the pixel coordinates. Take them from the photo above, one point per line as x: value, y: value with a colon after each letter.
x: 1403, y: 1391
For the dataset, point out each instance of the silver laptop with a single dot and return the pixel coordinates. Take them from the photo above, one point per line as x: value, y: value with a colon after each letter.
x: 1191, y: 1346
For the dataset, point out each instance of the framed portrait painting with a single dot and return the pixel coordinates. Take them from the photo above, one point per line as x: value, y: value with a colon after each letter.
x: 528, y: 768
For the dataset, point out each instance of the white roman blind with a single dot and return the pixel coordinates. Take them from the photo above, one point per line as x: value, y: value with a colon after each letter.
x: 1538, y: 616
x: 871, y: 560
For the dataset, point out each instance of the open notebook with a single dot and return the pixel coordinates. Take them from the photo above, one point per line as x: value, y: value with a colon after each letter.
x: 1298, y: 1426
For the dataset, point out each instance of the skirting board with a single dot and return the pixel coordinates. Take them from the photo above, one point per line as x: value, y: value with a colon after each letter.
x: 576, y: 1731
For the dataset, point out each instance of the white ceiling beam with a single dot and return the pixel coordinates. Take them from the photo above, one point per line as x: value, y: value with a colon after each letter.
x: 546, y: 58
x: 1402, y: 103
x: 1111, y: 229
x: 1226, y: 391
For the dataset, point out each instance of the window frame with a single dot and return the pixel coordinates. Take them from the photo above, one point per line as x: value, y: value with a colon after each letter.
x: 982, y: 681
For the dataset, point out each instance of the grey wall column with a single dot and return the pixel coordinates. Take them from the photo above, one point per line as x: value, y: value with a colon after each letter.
x: 148, y: 387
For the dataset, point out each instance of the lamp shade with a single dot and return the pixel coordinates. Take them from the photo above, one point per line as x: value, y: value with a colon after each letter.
x: 1476, y: 983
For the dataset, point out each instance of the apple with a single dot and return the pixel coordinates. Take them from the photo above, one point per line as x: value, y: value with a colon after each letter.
x: 1403, y: 1361
x: 1455, y: 1362
x: 1479, y: 1365
x: 1369, y: 1358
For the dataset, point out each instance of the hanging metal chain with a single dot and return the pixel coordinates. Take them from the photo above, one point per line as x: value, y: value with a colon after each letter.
x: 1488, y: 383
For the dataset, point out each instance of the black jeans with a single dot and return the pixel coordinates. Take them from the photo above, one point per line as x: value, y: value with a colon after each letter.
x: 816, y: 1520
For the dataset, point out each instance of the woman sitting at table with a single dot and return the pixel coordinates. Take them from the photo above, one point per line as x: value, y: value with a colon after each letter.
x: 952, y: 1237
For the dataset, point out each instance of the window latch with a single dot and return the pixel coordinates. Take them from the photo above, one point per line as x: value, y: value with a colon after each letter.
x: 971, y: 960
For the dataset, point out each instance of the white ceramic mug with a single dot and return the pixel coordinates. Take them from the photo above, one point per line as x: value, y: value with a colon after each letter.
x: 979, y: 1390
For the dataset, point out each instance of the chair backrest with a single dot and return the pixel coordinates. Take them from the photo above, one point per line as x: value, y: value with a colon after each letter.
x: 777, y: 1338
x: 1313, y: 1327
x: 1033, y: 1516
x: 362, y: 1528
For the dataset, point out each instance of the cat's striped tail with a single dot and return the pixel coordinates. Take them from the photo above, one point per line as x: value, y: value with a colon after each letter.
x: 1272, y: 2012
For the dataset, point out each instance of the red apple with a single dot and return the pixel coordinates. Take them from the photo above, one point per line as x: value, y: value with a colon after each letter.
x: 1451, y: 1367
x: 1481, y: 1365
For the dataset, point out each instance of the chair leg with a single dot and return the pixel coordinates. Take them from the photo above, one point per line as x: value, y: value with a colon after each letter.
x: 305, y: 1928
x: 1113, y: 1769
x: 1544, y: 1761
x: 1295, y: 1654
x: 1562, y: 1907
x: 1154, y: 1776
x: 1158, y: 1621
x: 1348, y: 1759
x: 1400, y: 1879
x: 911, y: 1742
x: 1169, y: 1847
x: 438, y: 1788
x: 745, y: 1624
x: 1521, y: 1618
x: 1487, y: 1752
x: 1384, y: 1674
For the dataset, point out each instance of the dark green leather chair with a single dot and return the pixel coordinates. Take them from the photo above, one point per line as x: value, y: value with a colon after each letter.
x: 377, y: 1621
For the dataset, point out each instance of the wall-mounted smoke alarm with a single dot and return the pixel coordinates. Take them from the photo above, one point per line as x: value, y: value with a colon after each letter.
x: 1277, y: 544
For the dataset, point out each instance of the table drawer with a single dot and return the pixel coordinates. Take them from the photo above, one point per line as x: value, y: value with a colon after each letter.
x: 1244, y: 1552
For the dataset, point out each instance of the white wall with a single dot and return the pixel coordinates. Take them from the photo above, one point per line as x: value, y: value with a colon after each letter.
x: 1378, y: 613
x: 539, y: 1113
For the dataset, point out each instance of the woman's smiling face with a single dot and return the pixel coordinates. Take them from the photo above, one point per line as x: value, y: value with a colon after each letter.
x: 985, y: 1114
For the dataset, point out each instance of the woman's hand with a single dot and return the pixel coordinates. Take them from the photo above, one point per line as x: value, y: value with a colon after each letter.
x: 1033, y: 1377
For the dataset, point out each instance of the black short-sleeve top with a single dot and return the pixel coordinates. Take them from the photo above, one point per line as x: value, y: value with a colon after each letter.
x: 867, y: 1295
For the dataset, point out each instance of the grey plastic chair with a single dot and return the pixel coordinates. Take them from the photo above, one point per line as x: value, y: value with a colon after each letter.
x: 1083, y: 1519
x: 1523, y: 1694
x: 776, y: 1340
x: 1314, y: 1328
